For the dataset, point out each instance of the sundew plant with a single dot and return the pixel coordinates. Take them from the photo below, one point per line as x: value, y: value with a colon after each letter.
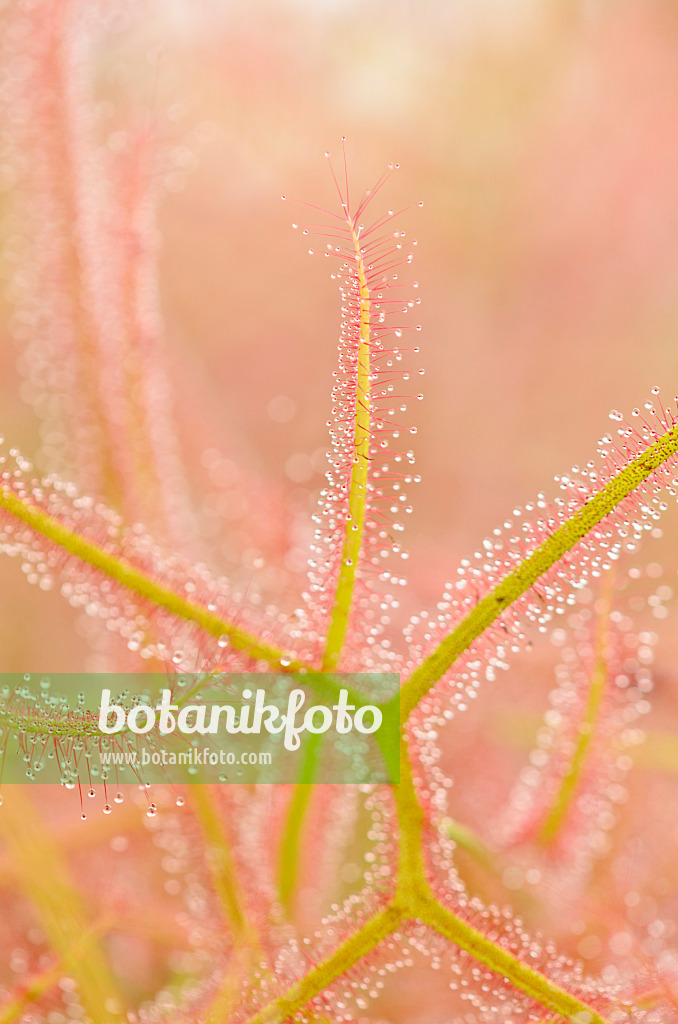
x: 308, y: 902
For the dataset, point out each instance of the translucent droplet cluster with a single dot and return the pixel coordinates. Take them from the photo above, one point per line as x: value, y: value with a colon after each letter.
x: 522, y: 536
x: 83, y: 248
x: 73, y: 563
x: 566, y: 799
x: 374, y: 307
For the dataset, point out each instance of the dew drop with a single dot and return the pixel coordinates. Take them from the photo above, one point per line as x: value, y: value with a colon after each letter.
x: 107, y: 809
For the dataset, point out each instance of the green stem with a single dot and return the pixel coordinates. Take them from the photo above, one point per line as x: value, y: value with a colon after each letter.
x: 414, y: 900
x: 517, y: 582
x: 358, y: 945
x: 466, y: 839
x: 141, y: 584
x: 222, y: 866
x: 45, y: 878
x: 502, y: 963
x: 421, y: 903
x: 288, y: 858
x: 350, y: 555
x: 411, y: 867
x: 558, y: 811
x: 357, y: 499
